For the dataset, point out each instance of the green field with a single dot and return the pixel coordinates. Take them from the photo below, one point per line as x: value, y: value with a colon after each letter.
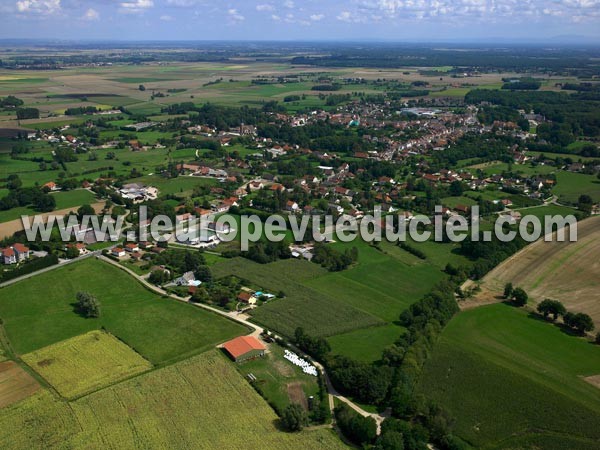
x: 159, y: 329
x: 179, y: 185
x: 365, y: 344
x: 276, y: 377
x: 510, y: 380
x: 202, y: 402
x: 551, y: 210
x: 570, y: 185
x: 86, y: 363
x: 364, y: 300
x: 523, y: 169
x: 64, y: 200
x: 384, y: 283
x: 453, y: 202
x: 320, y: 314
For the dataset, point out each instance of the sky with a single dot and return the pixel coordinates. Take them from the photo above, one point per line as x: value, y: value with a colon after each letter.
x: 330, y: 20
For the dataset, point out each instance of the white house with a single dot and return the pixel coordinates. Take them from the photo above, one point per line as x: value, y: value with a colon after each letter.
x: 292, y: 206
x: 15, y: 253
x: 9, y: 256
x: 118, y: 252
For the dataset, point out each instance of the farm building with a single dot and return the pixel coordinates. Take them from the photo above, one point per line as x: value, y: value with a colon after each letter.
x: 244, y: 348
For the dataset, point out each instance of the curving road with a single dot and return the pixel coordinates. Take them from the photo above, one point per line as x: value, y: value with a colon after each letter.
x: 257, y: 331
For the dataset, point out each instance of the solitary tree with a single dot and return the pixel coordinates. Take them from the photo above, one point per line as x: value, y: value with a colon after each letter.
x: 508, y: 290
x: 584, y: 203
x: 294, y: 417
x: 88, y: 305
x: 520, y: 297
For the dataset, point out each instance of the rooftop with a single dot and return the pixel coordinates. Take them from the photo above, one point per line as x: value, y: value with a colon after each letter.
x: 242, y: 345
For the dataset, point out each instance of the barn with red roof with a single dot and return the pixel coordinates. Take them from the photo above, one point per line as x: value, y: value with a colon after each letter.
x: 244, y: 348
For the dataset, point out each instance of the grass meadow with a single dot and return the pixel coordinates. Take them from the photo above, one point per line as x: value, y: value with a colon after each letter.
x: 362, y: 302
x: 320, y: 314
x: 40, y: 311
x: 365, y: 344
x: 64, y: 200
x: 512, y: 380
x: 570, y: 185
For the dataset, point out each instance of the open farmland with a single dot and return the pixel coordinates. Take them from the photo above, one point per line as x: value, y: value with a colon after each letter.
x: 571, y: 185
x: 365, y: 300
x: 320, y: 314
x: 206, y: 398
x: 15, y: 384
x: 383, y: 283
x: 161, y: 330
x: 365, y: 344
x: 7, y: 229
x: 565, y: 271
x: 86, y: 363
x: 64, y: 200
x: 217, y: 82
x: 513, y: 381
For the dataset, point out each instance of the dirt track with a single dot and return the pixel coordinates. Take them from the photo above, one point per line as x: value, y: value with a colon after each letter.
x: 565, y: 271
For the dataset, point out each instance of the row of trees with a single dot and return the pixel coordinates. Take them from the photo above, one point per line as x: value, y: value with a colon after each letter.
x: 28, y: 113
x: 360, y: 430
x: 580, y: 323
x: 393, y: 380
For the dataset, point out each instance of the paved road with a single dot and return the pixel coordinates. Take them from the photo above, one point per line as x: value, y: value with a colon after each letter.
x: 257, y: 330
x: 49, y: 268
x: 233, y: 315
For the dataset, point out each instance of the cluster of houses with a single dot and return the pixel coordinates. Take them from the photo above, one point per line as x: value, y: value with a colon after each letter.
x: 199, y: 170
x: 134, y: 250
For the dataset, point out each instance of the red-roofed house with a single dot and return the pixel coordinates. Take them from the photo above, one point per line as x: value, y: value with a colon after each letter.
x: 80, y: 246
x: 118, y: 252
x: 131, y: 247
x: 9, y: 256
x: 21, y: 252
x: 244, y: 348
x: 247, y: 297
x: 51, y: 185
x: 14, y: 254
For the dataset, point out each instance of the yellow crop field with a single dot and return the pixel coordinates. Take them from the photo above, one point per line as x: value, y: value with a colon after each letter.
x: 86, y: 363
x: 202, y: 403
